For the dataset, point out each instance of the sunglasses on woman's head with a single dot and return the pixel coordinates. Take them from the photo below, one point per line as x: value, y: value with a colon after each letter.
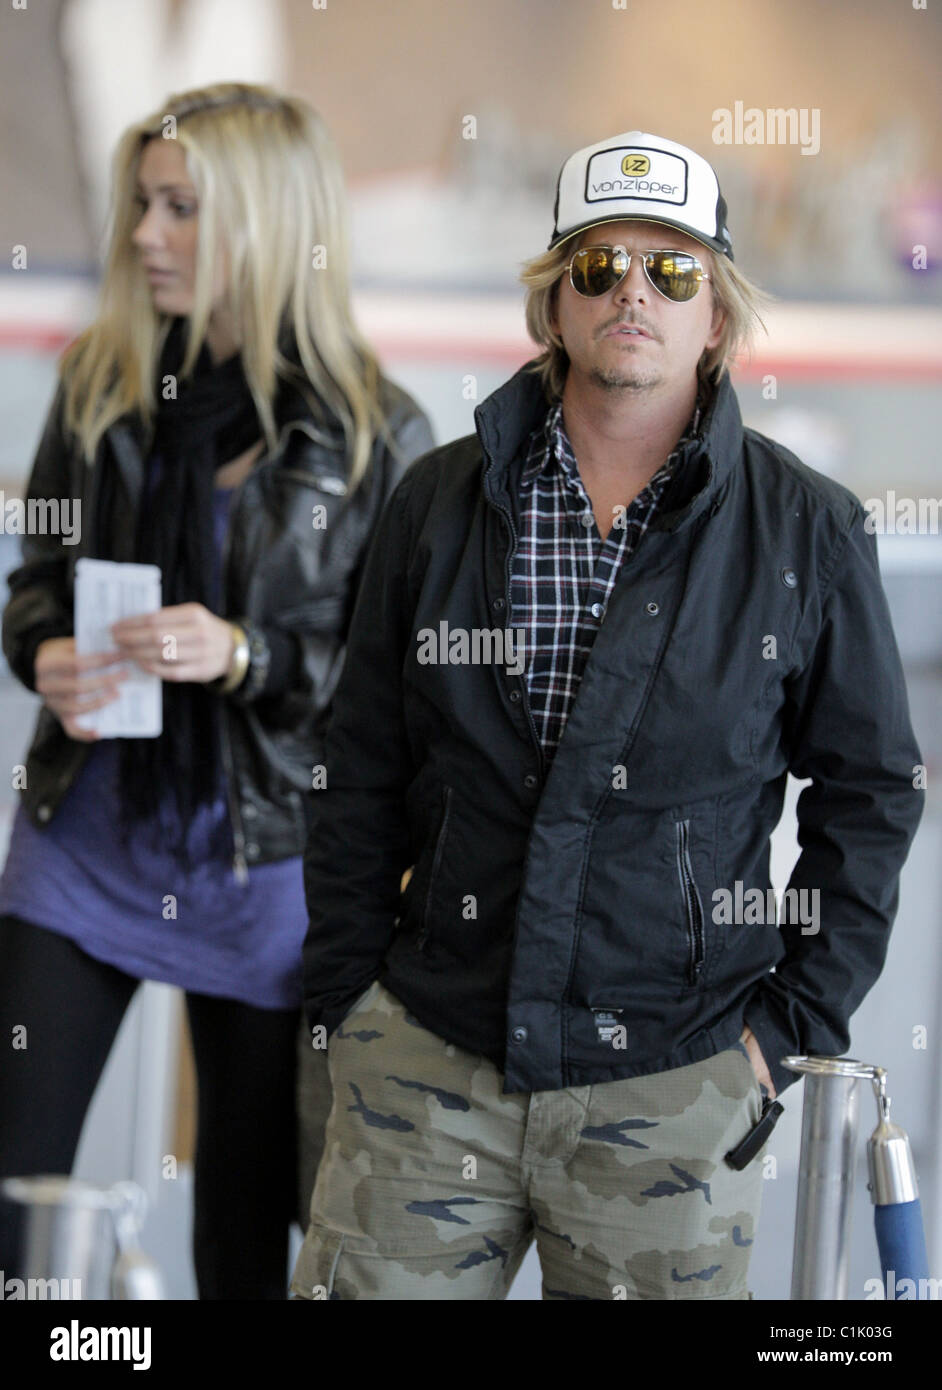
x: 597, y: 269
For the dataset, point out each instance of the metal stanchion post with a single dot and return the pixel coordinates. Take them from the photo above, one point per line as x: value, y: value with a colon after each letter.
x: 82, y: 1240
x: 826, y: 1174
x: 68, y: 1239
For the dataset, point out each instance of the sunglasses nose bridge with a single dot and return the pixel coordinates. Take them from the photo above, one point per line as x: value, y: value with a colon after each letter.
x: 635, y: 275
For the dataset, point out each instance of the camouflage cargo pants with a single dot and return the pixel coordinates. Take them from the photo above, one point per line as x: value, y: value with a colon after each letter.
x: 433, y: 1183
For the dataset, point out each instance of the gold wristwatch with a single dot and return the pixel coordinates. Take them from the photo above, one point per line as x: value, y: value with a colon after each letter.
x: 238, y: 663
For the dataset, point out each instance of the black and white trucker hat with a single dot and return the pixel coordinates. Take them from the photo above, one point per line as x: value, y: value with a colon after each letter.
x: 635, y: 176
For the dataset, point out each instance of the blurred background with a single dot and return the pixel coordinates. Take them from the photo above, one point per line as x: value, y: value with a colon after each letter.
x: 452, y: 121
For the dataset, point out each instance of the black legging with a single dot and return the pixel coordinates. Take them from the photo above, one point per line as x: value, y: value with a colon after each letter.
x: 72, y: 1007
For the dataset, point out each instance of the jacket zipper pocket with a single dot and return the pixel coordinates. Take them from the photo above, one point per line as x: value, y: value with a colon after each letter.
x: 423, y: 935
x: 692, y: 903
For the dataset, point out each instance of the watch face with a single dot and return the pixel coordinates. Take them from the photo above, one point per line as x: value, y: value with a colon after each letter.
x: 259, y: 659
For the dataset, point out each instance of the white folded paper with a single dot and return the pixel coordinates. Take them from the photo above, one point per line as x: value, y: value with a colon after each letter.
x: 105, y: 592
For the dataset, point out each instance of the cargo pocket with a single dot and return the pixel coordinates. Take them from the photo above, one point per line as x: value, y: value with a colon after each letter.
x: 315, y: 1273
x: 762, y: 1117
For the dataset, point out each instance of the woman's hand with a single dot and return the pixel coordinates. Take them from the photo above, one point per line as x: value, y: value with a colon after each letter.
x: 182, y: 643
x: 758, y: 1061
x: 72, y: 685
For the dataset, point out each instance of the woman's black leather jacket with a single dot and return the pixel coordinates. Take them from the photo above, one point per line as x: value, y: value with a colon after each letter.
x: 293, y: 554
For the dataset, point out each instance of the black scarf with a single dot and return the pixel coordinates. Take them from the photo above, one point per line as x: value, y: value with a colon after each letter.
x: 211, y: 421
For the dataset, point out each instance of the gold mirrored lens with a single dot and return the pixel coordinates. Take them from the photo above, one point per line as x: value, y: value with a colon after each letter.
x: 675, y: 273
x: 594, y: 270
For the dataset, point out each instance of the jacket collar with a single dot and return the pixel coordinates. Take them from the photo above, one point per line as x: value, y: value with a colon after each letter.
x: 507, y: 418
x: 293, y: 416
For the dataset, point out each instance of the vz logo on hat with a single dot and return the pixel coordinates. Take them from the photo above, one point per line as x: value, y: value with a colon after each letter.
x: 608, y: 176
x: 636, y: 176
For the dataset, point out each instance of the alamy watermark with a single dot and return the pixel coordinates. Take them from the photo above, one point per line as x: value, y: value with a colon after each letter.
x: 42, y: 516
x: 777, y: 125
x: 476, y: 646
x: 903, y: 1289
x: 902, y: 516
x: 749, y: 907
x: 78, y: 1343
x: 39, y: 1290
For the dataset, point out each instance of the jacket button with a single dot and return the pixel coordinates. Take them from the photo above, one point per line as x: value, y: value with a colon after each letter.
x: 789, y: 578
x: 519, y: 1035
x: 497, y: 605
x: 514, y: 696
x: 44, y: 812
x: 251, y: 850
x: 652, y: 609
x: 249, y: 811
x: 530, y: 781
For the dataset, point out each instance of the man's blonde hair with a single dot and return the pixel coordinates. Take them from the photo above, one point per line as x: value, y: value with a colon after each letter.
x: 737, y: 297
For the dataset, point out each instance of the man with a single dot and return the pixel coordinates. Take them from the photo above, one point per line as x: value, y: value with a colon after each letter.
x: 559, y: 1028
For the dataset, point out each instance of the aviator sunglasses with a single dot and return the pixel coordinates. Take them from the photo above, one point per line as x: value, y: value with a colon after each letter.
x: 597, y: 269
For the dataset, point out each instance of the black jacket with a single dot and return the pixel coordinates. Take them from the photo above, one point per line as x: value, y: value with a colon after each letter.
x: 295, y: 580
x: 540, y: 898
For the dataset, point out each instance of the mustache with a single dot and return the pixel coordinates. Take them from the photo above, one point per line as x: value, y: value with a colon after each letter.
x: 621, y: 322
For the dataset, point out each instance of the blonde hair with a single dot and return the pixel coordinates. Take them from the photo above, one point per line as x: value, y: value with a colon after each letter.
x: 732, y: 292
x: 271, y: 198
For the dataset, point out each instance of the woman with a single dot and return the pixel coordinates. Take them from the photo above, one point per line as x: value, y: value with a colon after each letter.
x: 222, y: 419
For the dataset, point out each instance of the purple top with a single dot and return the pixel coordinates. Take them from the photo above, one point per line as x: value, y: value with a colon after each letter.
x: 113, y: 898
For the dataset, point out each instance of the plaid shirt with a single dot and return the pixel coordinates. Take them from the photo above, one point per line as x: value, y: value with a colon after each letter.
x: 563, y: 571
